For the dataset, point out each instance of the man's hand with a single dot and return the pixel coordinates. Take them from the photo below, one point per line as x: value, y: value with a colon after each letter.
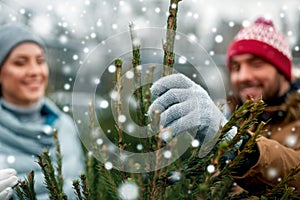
x: 185, y: 106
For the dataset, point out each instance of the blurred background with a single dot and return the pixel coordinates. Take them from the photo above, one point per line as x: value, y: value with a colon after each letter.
x: 73, y: 28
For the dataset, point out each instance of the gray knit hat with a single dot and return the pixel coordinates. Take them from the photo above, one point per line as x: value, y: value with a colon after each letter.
x: 11, y: 35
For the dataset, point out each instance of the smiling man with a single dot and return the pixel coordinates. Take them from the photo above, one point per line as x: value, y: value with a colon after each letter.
x: 259, y: 62
x: 260, y: 66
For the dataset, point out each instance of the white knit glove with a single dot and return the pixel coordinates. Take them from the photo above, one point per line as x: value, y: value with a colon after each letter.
x: 8, y: 180
x: 186, y: 106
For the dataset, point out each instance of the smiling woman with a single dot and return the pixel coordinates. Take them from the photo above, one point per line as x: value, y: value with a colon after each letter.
x: 25, y: 70
x: 28, y: 118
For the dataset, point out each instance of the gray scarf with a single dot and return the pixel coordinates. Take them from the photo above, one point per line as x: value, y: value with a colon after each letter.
x: 27, y: 130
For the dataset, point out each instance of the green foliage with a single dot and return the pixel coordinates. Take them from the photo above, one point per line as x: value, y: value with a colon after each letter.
x: 25, y: 189
x: 53, y: 177
x: 189, y: 177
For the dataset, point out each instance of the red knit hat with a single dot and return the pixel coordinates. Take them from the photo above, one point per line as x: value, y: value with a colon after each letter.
x: 261, y: 39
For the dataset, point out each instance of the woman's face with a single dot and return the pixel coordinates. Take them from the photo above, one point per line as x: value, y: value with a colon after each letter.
x: 24, y: 75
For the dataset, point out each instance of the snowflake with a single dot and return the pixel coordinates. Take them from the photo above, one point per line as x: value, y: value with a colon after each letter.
x: 211, y: 169
x: 291, y: 140
x: 128, y: 190
x: 272, y: 173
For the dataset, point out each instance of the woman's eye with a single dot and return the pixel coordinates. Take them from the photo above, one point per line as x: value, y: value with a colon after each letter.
x: 19, y: 62
x: 41, y: 60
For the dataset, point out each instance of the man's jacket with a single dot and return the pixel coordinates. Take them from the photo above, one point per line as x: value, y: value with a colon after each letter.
x: 278, y: 145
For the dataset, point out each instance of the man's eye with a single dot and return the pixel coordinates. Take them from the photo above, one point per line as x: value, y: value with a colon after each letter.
x: 234, y: 67
x: 257, y: 63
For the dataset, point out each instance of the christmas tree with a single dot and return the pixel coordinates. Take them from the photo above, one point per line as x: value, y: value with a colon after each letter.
x: 155, y: 165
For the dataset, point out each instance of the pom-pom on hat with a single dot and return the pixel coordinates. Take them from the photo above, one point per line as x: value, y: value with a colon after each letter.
x: 11, y: 35
x: 261, y: 39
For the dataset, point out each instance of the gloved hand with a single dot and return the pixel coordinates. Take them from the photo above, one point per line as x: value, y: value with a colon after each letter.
x: 186, y: 106
x: 8, y: 180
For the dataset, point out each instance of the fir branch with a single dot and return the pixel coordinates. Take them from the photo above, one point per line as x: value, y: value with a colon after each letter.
x: 51, y: 181
x: 221, y: 188
x: 77, y: 189
x: 92, y: 118
x: 136, y: 60
x: 93, y: 178
x: 156, y: 171
x: 136, y: 63
x: 248, y: 147
x: 289, y: 194
x: 243, y: 195
x: 50, y: 185
x: 283, y: 186
x: 239, y: 114
x: 19, y: 193
x: 81, y: 190
x: 30, y: 182
x: 244, y: 117
x: 139, y: 180
x: 204, y: 190
x: 217, y: 185
x: 147, y: 89
x: 60, y: 180
x: 155, y: 123
x: 25, y: 189
x: 50, y: 171
x: 170, y: 38
x: 110, y: 180
x: 118, y: 64
x: 101, y: 183
x: 84, y: 187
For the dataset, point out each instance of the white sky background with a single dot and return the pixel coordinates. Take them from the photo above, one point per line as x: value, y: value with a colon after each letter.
x: 88, y: 22
x: 112, y: 16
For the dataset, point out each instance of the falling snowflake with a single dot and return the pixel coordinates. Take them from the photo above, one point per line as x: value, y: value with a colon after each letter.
x: 272, y: 173
x: 175, y: 176
x: 112, y: 68
x: 66, y: 108
x: 195, y: 143
x: 219, y: 39
x: 122, y: 118
x: 167, y: 154
x: 99, y: 141
x: 103, y: 104
x: 139, y: 147
x: 291, y: 140
x: 182, y: 60
x: 108, y: 165
x: 128, y: 191
x: 11, y: 159
x: 129, y: 74
x: 211, y: 169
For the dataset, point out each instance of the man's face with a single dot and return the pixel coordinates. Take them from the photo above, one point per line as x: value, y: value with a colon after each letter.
x: 252, y: 76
